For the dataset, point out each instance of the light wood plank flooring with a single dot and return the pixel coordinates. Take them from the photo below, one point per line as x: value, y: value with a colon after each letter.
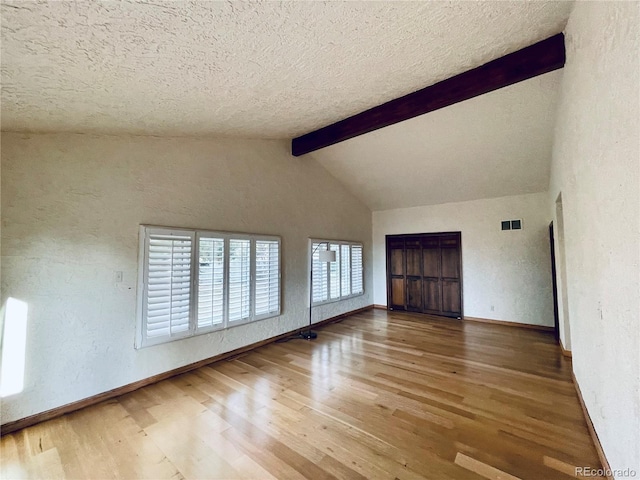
x: 378, y: 396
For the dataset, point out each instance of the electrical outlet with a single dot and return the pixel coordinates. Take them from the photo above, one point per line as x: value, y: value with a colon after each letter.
x: 492, y: 308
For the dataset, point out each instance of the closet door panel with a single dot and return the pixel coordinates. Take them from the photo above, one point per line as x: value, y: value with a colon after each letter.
x: 431, y: 262
x: 450, y: 263
x: 413, y: 273
x: 397, y: 293
x: 414, y: 294
x: 431, y: 295
x: 451, y: 297
x: 451, y: 273
x: 413, y: 262
x: 425, y: 273
x: 397, y: 261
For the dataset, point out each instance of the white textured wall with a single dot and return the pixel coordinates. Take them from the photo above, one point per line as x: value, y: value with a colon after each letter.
x: 71, y: 206
x: 510, y: 270
x: 596, y: 168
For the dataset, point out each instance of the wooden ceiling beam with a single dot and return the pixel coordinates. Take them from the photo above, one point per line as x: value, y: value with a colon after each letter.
x: 537, y: 59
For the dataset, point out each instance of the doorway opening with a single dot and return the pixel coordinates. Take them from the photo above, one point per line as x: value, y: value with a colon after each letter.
x: 563, y: 310
x: 554, y: 283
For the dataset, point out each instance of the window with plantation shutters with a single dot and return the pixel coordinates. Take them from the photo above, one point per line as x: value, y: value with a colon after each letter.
x: 193, y: 282
x: 334, y: 273
x: 357, y: 285
x: 210, y: 282
x: 239, y: 279
x: 267, y: 291
x: 333, y: 281
x: 320, y: 275
x: 166, y: 307
x: 345, y: 270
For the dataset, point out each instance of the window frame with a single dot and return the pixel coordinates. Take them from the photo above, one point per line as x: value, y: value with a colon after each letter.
x: 145, y: 231
x: 339, y: 243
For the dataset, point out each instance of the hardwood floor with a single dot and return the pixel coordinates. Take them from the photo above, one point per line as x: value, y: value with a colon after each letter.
x: 378, y: 396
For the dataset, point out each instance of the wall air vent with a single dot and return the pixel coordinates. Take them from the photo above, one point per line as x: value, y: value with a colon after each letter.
x: 511, y: 224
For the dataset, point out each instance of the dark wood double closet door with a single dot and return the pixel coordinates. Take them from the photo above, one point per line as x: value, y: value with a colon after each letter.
x: 424, y: 273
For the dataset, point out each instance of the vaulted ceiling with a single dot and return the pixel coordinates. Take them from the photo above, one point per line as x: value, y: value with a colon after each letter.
x: 494, y: 145
x: 281, y: 69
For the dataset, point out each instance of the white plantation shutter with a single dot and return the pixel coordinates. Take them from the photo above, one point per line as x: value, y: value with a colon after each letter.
x: 267, y: 284
x: 210, y: 282
x: 192, y: 282
x: 356, y: 269
x: 345, y: 270
x: 320, y: 277
x: 239, y: 279
x: 334, y: 276
x: 167, y: 284
x: 341, y: 279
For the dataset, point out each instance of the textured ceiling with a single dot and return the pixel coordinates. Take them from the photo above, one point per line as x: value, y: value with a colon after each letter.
x: 494, y: 145
x: 259, y: 69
